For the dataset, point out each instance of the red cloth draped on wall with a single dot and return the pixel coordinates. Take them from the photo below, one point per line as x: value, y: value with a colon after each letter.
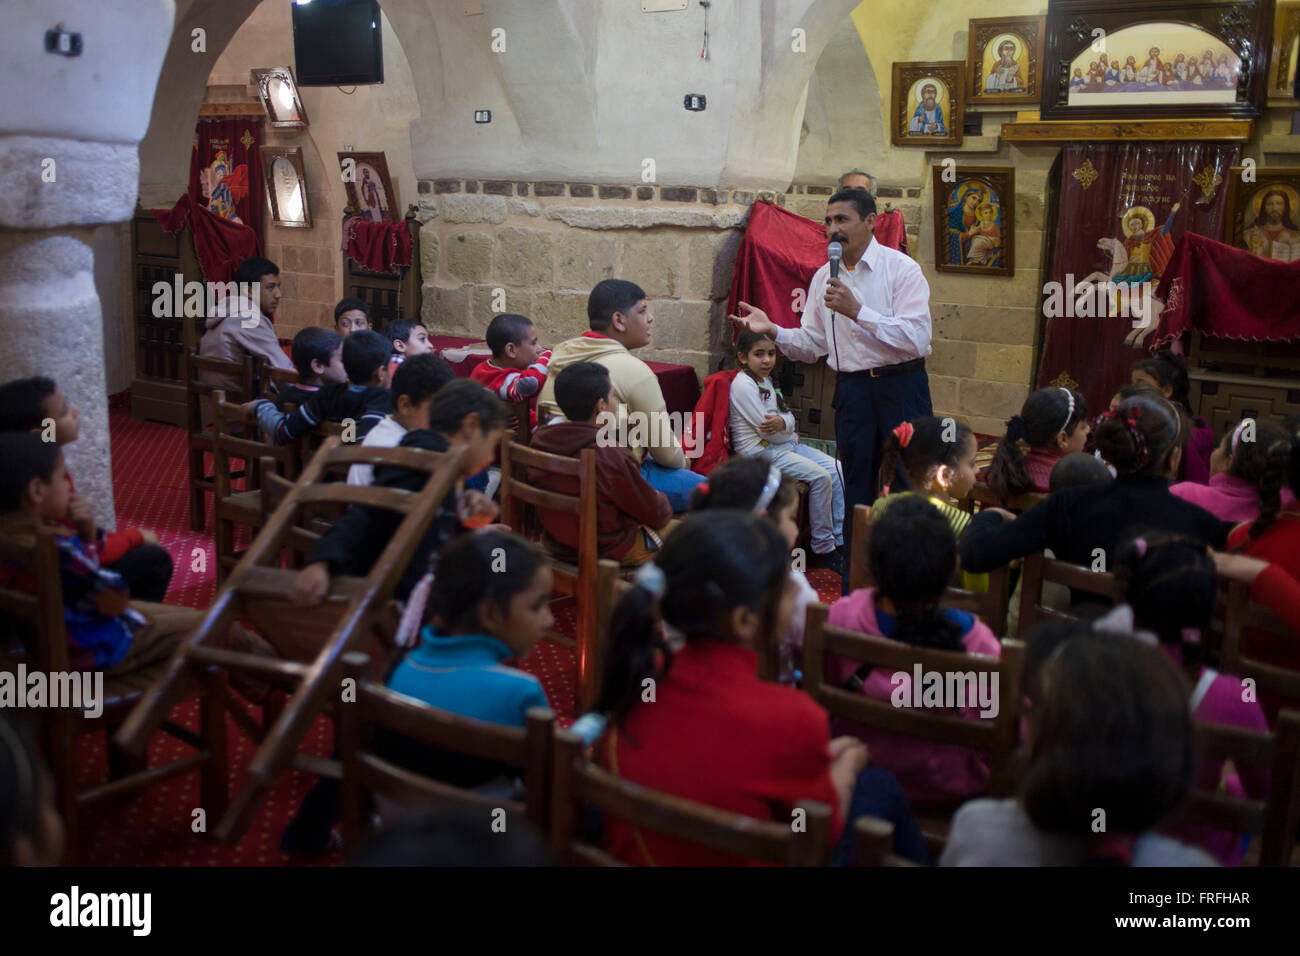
x: 220, y: 244
x: 226, y: 170
x: 780, y: 253
x: 1116, y: 222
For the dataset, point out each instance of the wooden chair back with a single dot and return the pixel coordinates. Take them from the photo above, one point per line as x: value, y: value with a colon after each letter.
x: 873, y: 841
x: 1274, y: 818
x: 990, y: 606
x: 36, y: 636
x: 982, y: 496
x: 272, y: 381
x: 521, y: 412
x: 1244, y: 615
x: 521, y: 470
x: 261, y: 459
x: 998, y: 735
x: 367, y: 772
x: 194, y: 368
x: 1038, y: 569
x: 578, y: 783
x: 310, y: 640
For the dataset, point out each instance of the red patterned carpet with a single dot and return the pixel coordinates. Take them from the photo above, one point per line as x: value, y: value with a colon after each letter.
x: 156, y: 827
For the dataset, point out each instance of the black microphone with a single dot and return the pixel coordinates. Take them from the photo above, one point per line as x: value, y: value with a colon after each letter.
x: 835, y: 252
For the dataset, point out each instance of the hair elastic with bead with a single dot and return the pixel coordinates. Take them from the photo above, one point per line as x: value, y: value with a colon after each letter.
x: 904, y: 434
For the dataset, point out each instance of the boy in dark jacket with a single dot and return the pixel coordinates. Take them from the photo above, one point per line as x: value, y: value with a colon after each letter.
x: 628, y: 508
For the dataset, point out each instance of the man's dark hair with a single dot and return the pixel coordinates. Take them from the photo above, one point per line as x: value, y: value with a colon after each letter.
x: 363, y: 353
x: 861, y: 200
x: 420, y: 377
x: 22, y: 403
x: 506, y: 329
x: 399, y: 330
x: 457, y: 399
x: 313, y: 344
x: 610, y: 296
x: 252, y: 270
x: 579, y: 387
x: 25, y: 457
x: 351, y: 305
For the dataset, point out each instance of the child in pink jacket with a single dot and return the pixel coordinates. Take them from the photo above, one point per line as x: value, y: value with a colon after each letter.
x: 913, y: 556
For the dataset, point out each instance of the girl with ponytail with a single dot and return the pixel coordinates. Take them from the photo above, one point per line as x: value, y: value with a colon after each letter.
x: 1052, y: 423
x: 913, y: 556
x: 687, y: 714
x: 1240, y: 473
x: 930, y: 456
x: 1274, y: 536
x: 1170, y: 584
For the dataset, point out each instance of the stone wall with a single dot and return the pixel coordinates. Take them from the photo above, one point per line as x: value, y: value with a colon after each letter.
x: 537, y: 248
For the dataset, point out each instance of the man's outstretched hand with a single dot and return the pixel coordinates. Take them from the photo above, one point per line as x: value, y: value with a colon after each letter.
x: 753, y: 320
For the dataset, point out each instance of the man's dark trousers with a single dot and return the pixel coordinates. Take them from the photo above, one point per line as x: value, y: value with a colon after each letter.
x: 867, y: 409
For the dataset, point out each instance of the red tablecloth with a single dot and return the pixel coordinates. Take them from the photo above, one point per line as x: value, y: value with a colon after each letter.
x: 680, y: 387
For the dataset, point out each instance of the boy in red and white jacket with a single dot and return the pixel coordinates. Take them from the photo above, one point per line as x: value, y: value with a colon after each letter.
x: 37, y: 404
x: 518, y: 366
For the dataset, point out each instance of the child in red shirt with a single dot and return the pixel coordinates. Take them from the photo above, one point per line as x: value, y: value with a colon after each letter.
x: 39, y: 405
x: 715, y: 733
x: 518, y: 366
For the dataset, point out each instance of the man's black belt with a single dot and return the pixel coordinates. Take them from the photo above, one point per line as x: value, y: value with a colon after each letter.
x: 883, y: 371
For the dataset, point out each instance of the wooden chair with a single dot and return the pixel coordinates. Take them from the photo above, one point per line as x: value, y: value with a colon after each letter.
x: 261, y: 459
x: 990, y: 606
x: 193, y: 366
x: 873, y: 840
x: 998, y: 736
x: 310, y: 640
x: 1243, y: 616
x: 985, y: 497
x: 1038, y: 569
x: 271, y: 380
x: 40, y: 617
x: 577, y: 782
x: 521, y: 412
x: 1272, y: 819
x: 578, y: 580
x: 367, y: 773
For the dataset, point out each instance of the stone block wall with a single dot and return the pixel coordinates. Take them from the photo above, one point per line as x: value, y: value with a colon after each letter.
x: 537, y: 248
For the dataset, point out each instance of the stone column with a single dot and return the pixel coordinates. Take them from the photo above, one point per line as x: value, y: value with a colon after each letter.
x: 68, y: 163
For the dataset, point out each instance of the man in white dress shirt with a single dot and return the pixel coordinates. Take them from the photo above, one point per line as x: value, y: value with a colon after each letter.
x: 873, y: 326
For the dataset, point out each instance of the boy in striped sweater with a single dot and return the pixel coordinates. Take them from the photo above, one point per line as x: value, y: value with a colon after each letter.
x: 518, y: 366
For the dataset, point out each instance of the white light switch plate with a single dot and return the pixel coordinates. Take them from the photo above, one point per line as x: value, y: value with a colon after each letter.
x: 662, y: 6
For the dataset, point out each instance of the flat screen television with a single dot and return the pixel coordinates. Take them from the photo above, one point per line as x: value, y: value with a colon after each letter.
x: 337, y: 43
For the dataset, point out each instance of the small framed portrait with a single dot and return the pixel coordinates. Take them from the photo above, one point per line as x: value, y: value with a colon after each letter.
x: 1159, y: 59
x: 1264, y: 216
x: 1004, y: 60
x: 974, y: 219
x: 1286, y: 52
x: 286, y: 185
x: 279, y: 95
x: 370, y: 191
x: 927, y: 103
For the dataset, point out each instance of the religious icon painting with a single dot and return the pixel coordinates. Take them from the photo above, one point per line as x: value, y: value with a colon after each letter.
x: 1286, y: 54
x: 286, y: 185
x: 370, y: 191
x: 974, y: 219
x: 279, y: 95
x: 1005, y: 60
x: 1112, y: 59
x: 927, y: 103
x: 1262, y: 215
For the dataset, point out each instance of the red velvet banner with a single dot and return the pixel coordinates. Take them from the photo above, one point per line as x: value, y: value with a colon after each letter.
x: 1122, y: 208
x: 226, y: 171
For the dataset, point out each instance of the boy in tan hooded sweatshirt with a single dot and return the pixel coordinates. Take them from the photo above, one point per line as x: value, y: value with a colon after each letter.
x: 621, y: 321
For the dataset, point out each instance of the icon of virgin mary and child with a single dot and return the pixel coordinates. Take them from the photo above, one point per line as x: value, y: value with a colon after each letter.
x: 974, y: 238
